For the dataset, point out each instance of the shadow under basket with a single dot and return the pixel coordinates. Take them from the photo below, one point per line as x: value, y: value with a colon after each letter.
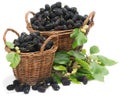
x: 34, y: 66
x: 64, y: 40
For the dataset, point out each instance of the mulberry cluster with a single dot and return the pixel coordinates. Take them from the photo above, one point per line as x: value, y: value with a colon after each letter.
x: 39, y: 86
x: 31, y: 42
x: 56, y: 17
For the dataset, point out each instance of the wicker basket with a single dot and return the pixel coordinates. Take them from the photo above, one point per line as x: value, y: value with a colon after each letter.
x: 64, y: 41
x: 34, y: 66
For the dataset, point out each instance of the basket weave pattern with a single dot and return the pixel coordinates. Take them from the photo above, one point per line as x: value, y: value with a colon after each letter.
x: 64, y: 41
x: 34, y: 66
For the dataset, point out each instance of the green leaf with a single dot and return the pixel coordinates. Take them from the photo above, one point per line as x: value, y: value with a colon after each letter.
x: 13, y: 65
x: 94, y: 49
x: 74, y: 79
x: 13, y: 58
x: 10, y: 45
x: 76, y: 54
x: 59, y: 68
x: 10, y: 56
x: 99, y: 77
x: 88, y: 75
x: 61, y: 58
x: 74, y: 33
x: 98, y: 71
x: 56, y: 77
x: 81, y: 70
x: 106, y: 61
x: 83, y: 64
x: 80, y: 39
x: 93, y: 57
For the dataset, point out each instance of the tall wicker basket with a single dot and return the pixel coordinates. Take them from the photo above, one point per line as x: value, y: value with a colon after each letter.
x: 64, y: 41
x: 34, y: 66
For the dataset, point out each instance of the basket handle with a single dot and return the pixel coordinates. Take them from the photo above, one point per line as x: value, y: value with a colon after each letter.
x: 55, y: 46
x: 9, y: 29
x: 90, y: 17
x: 26, y: 16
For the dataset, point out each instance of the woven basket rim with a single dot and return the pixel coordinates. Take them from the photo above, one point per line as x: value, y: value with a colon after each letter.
x: 51, y: 50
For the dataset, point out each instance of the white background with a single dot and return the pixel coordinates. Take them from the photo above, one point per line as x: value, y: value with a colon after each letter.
x: 105, y: 34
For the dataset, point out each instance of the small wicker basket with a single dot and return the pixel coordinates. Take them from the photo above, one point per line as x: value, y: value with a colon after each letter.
x: 34, y: 66
x: 64, y: 41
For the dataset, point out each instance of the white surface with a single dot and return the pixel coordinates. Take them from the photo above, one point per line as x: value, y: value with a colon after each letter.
x: 105, y: 34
